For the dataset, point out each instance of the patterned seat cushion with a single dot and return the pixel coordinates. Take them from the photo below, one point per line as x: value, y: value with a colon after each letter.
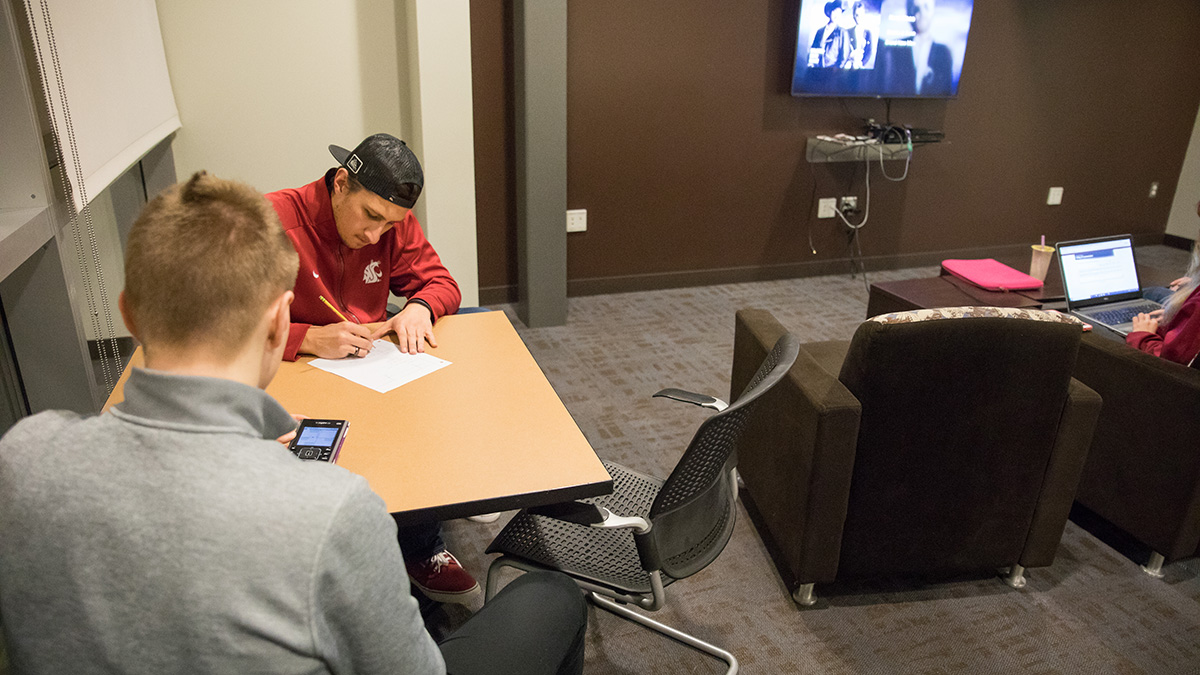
x: 976, y: 312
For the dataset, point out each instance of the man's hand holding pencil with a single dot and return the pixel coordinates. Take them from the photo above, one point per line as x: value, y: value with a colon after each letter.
x: 337, y: 340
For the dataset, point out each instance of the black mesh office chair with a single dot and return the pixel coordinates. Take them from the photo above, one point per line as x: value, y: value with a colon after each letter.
x: 648, y: 533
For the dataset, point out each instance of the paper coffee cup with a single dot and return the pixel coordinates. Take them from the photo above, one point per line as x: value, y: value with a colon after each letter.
x: 1040, y: 262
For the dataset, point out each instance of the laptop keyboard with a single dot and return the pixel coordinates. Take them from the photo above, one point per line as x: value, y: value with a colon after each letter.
x: 1114, y: 317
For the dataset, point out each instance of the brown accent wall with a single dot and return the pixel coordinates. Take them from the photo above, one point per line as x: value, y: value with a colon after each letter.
x: 495, y: 153
x: 687, y: 150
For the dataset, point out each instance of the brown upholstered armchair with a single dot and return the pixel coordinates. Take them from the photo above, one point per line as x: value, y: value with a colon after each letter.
x: 1143, y: 470
x: 926, y: 448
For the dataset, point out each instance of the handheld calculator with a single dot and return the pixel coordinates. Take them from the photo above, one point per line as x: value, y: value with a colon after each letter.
x: 319, y: 440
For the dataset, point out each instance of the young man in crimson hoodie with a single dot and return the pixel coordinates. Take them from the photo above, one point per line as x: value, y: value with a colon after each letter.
x: 358, y: 239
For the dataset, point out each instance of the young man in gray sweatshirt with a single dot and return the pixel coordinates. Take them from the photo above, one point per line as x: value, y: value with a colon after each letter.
x: 174, y: 534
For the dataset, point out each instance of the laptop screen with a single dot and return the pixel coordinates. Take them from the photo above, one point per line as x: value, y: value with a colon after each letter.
x: 1096, y: 269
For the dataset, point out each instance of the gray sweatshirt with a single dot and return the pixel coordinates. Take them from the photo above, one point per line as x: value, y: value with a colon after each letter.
x: 173, y: 535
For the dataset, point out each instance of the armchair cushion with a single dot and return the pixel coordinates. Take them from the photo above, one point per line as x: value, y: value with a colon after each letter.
x: 959, y: 417
x: 830, y: 355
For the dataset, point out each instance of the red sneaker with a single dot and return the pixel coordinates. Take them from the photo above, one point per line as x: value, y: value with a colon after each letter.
x: 443, y: 579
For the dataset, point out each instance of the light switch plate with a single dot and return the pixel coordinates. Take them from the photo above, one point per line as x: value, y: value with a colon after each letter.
x: 1054, y: 198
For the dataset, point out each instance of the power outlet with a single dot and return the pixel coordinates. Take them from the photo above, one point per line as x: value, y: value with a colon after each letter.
x: 827, y: 208
x: 1054, y: 197
x: 848, y: 205
x: 577, y: 220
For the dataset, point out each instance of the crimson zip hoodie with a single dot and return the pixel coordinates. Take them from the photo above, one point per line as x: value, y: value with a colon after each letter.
x: 1177, y: 340
x: 355, y: 281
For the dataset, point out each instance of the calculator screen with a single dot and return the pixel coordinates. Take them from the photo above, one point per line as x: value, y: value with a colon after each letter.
x: 322, y: 437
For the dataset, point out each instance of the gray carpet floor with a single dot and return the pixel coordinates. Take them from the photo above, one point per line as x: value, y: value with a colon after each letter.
x: 1093, y: 611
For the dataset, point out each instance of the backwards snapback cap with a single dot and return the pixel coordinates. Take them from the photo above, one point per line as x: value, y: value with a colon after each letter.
x: 384, y: 165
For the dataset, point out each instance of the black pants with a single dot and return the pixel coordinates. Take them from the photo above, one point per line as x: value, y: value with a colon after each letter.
x: 419, y: 542
x: 535, y: 626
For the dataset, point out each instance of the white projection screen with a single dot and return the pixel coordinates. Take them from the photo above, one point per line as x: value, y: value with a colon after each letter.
x: 107, y: 88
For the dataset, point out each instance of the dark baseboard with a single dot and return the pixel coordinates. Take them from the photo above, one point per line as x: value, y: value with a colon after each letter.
x: 1177, y: 242
x: 495, y: 295
x: 738, y: 275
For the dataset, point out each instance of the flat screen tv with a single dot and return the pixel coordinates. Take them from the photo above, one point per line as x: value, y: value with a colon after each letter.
x: 881, y: 48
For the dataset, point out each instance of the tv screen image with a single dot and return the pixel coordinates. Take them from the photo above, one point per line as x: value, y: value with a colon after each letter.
x: 881, y: 48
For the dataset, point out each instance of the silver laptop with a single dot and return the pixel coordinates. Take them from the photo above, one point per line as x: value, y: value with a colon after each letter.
x: 1101, y: 282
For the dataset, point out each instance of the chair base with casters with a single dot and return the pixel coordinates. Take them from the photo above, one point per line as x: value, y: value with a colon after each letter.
x: 611, y: 580
x: 597, y: 595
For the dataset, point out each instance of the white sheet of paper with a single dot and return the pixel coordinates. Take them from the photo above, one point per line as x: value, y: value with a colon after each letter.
x: 384, y: 369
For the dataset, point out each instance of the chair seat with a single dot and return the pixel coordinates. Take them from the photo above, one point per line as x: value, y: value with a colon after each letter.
x: 606, y: 557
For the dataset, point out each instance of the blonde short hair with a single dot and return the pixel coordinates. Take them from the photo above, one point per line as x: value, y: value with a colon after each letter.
x: 204, y: 260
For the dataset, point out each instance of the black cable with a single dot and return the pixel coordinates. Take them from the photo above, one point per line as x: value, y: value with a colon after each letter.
x: 862, y: 263
x: 907, y: 158
x: 854, y: 266
x: 812, y: 201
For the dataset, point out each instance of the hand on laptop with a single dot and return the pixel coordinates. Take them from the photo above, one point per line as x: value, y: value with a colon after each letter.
x: 1146, y: 322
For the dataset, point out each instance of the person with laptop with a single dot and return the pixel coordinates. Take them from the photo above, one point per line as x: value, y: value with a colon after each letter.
x: 174, y: 534
x: 358, y: 240
x: 1175, y: 334
x: 1160, y: 294
x: 1101, y: 282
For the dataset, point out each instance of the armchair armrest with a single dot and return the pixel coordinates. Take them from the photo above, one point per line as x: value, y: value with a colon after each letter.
x: 701, y: 400
x: 1074, y: 438
x: 798, y: 463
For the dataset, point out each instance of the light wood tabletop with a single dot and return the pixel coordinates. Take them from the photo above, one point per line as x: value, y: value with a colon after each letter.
x: 487, y: 433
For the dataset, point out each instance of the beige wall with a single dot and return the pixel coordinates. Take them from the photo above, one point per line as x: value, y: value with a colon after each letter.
x: 438, y: 41
x: 263, y: 87
x: 1183, y: 221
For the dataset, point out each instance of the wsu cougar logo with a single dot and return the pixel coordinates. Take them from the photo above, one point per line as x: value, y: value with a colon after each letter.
x: 371, y: 273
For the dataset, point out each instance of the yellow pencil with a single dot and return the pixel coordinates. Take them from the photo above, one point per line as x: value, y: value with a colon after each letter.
x: 335, y: 309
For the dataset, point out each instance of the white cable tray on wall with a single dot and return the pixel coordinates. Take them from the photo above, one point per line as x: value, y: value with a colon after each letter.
x: 819, y: 150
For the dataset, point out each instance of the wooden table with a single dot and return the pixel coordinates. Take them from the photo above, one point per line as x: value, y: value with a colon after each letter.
x: 940, y: 291
x: 947, y: 290
x: 484, y: 434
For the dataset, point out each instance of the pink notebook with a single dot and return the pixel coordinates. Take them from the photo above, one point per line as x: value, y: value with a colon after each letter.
x: 991, y: 275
